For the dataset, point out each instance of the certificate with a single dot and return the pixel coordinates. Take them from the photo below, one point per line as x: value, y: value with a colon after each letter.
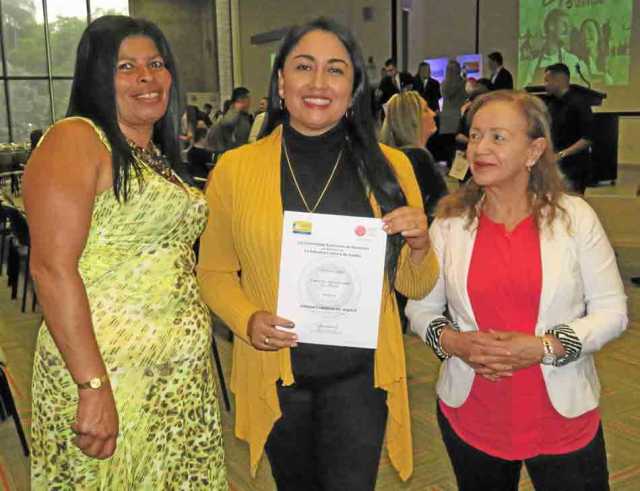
x: 331, y: 278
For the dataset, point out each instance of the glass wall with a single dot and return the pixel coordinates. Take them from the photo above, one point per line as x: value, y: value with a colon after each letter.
x: 37, y: 58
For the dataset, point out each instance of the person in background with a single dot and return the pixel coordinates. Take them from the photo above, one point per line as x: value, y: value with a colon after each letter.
x: 123, y: 388
x: 571, y: 127
x: 199, y: 157
x: 501, y: 78
x: 206, y: 114
x: 320, y: 412
x: 427, y: 86
x: 532, y: 291
x: 408, y: 125
x: 263, y: 105
x: 481, y: 86
x: 221, y: 112
x: 236, y: 122
x: 34, y: 138
x: 454, y: 96
x: 259, y: 119
x: 393, y: 82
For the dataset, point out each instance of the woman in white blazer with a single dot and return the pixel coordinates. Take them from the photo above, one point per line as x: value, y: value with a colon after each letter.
x: 529, y: 290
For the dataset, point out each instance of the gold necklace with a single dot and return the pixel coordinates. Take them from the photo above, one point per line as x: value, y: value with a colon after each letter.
x: 295, y: 181
x: 154, y: 159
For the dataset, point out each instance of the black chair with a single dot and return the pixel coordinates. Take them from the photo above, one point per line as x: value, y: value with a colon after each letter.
x: 8, y: 406
x: 19, y: 253
x: 5, y: 234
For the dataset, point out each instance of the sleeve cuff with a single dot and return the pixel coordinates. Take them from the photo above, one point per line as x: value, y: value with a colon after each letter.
x: 569, y: 340
x: 432, y: 336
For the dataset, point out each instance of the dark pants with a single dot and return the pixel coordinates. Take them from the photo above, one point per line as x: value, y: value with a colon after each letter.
x: 582, y: 470
x: 330, y: 434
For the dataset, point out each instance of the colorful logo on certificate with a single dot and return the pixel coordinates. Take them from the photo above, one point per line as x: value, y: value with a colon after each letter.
x: 360, y: 231
x: 302, y: 227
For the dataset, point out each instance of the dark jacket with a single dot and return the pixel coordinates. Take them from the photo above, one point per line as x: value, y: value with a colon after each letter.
x: 504, y: 80
x: 430, y: 92
x: 388, y: 88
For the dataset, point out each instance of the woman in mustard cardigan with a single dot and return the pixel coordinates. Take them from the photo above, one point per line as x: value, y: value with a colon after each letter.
x: 319, y: 411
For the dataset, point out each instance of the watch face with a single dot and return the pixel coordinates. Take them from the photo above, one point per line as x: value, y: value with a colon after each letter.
x: 95, y: 383
x: 548, y: 359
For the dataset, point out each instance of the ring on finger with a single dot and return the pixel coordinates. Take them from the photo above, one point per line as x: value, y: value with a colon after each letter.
x: 266, y: 340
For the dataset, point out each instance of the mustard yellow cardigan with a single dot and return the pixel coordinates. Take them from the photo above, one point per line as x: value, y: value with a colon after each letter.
x: 244, y: 234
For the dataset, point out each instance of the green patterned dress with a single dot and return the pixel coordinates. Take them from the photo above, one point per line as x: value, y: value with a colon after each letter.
x: 155, y: 337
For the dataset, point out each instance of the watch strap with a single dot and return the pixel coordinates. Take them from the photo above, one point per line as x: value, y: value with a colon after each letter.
x: 95, y: 383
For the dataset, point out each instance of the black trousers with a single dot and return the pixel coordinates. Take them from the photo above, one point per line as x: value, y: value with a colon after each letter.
x: 582, y: 470
x: 330, y: 434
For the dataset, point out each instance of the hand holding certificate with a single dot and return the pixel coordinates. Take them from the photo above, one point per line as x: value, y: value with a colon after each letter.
x: 331, y: 278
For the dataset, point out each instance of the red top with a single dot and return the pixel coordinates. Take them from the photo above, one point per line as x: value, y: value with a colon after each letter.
x: 513, y: 418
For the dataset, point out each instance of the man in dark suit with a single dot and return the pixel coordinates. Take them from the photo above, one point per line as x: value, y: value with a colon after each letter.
x: 427, y: 86
x: 501, y: 78
x: 393, y: 82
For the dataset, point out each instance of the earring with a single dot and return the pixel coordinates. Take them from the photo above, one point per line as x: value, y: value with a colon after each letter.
x: 281, y: 103
x: 349, y: 114
x: 529, y: 168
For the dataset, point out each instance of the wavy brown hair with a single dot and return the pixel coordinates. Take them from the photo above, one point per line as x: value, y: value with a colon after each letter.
x: 545, y: 183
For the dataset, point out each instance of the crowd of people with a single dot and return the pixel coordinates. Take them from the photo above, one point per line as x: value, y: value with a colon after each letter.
x: 123, y: 391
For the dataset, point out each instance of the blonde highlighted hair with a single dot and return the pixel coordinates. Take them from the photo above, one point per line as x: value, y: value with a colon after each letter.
x: 403, y: 120
x: 545, y: 183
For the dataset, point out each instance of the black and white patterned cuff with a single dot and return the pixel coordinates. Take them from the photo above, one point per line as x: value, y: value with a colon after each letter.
x: 432, y: 337
x: 569, y: 340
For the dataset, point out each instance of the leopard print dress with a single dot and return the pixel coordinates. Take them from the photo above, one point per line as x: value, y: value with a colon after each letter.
x: 154, y: 335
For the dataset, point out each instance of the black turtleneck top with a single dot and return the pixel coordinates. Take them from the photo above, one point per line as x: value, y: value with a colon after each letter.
x: 312, y: 159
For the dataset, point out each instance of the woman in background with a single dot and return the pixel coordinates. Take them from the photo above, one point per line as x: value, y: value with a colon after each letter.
x: 453, y: 97
x: 408, y: 125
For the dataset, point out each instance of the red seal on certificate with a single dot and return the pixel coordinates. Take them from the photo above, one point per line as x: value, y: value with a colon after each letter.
x: 360, y: 231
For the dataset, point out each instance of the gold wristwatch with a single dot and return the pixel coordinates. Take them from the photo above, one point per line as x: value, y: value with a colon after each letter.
x: 549, y: 357
x: 95, y: 383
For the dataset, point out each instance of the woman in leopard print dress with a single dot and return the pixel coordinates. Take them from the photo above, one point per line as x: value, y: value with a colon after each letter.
x: 123, y: 389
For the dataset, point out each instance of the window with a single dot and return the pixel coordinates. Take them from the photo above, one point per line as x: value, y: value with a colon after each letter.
x: 109, y: 7
x: 37, y: 59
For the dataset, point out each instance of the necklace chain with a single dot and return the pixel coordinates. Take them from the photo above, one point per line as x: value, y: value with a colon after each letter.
x: 295, y: 180
x: 153, y: 158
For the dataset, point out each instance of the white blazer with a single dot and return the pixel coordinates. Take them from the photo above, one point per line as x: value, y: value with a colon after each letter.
x: 581, y: 287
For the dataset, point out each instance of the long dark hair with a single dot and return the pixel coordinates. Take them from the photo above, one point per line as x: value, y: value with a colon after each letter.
x: 93, y: 92
x: 362, y: 146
